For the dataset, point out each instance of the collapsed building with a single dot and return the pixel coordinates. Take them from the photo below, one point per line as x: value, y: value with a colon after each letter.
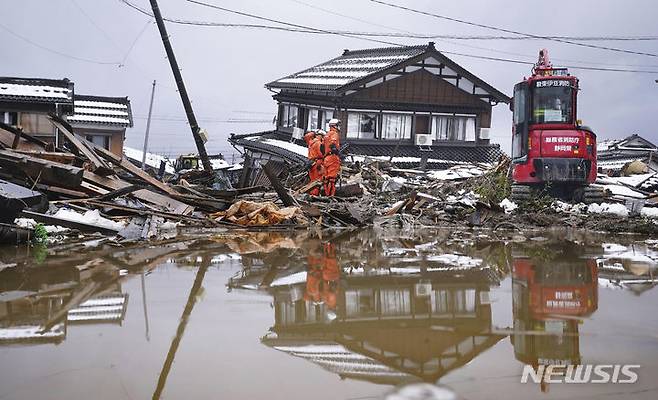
x: 412, y: 106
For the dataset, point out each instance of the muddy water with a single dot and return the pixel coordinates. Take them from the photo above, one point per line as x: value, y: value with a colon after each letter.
x: 357, y: 315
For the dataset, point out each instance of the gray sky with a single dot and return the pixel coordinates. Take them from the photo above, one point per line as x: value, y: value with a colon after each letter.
x: 225, y: 68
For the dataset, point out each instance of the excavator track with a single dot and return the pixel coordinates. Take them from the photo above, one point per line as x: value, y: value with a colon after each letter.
x: 593, y: 194
x: 521, y: 193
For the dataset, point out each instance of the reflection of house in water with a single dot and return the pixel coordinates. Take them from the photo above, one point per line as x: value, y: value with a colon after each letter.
x: 38, y: 304
x: 391, y: 326
x: 627, y: 268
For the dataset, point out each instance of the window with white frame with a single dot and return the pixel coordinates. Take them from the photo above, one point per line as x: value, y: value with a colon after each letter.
x: 288, y: 116
x: 326, y: 116
x: 453, y: 128
x: 313, y: 117
x: 361, y: 125
x: 9, y: 117
x: 396, y: 126
x: 319, y: 119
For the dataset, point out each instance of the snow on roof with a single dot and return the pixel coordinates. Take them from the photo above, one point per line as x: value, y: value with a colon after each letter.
x: 23, y: 332
x: 113, y: 111
x: 98, y: 119
x: 295, y: 148
x: 34, y: 91
x: 349, y: 67
x: 100, y: 104
x: 152, y: 160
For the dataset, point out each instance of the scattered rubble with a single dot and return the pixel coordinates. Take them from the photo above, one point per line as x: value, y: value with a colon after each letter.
x: 80, y: 188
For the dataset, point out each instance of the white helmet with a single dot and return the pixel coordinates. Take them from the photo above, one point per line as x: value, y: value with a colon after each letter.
x: 320, y: 132
x: 334, y: 121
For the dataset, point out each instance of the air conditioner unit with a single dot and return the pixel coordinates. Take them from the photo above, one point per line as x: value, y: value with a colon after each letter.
x: 297, y: 133
x: 423, y: 139
x: 423, y: 289
x: 484, y: 133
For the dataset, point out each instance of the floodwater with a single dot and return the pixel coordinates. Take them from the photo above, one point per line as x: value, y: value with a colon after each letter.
x: 371, y: 314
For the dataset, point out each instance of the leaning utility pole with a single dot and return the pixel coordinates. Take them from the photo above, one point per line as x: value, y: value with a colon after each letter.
x: 194, y: 126
x: 148, y: 127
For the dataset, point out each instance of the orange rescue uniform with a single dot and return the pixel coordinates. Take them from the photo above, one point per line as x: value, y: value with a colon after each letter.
x: 331, y: 161
x: 317, y: 169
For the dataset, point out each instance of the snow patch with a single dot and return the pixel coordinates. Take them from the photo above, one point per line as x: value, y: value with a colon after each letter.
x: 91, y: 217
x: 608, y: 208
x: 508, y: 205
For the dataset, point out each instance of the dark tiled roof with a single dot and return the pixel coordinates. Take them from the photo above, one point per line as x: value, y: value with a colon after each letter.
x: 101, y: 110
x: 348, y: 68
x: 36, y: 90
x: 356, y: 67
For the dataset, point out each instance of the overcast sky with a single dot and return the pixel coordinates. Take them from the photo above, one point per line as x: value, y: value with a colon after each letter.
x: 225, y: 68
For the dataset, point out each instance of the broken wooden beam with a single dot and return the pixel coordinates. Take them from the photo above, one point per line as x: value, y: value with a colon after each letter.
x: 42, y: 171
x: 127, y: 166
x: 98, y: 166
x: 285, y: 197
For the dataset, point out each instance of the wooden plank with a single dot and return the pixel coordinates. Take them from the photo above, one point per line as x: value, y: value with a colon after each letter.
x: 42, y: 171
x: 147, y: 195
x: 131, y: 168
x: 61, y: 191
x: 98, y: 165
x: 62, y: 158
x: 278, y: 187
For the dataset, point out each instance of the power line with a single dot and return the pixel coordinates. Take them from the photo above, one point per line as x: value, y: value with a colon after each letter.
x: 399, y: 34
x: 53, y: 51
x: 287, y: 23
x: 357, y: 35
x: 511, y: 31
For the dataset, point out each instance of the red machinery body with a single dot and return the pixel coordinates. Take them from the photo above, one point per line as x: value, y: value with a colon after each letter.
x: 548, y: 142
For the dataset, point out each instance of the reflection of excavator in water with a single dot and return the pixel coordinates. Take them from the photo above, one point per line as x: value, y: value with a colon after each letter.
x: 548, y: 298
x: 551, y: 150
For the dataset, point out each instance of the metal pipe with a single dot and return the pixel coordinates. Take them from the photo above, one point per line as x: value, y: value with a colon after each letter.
x: 148, y: 127
x: 191, y: 118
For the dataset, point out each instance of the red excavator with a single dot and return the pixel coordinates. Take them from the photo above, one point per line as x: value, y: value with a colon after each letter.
x: 551, y: 150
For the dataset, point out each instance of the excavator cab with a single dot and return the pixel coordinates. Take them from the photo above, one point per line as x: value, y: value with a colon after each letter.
x: 551, y: 150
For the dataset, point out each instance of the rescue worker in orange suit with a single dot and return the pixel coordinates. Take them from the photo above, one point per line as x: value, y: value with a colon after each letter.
x: 331, y: 157
x: 314, y: 277
x: 322, y: 280
x: 314, y: 140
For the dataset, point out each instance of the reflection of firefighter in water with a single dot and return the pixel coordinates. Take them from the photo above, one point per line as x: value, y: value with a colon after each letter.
x: 547, y: 299
x: 322, y: 279
x: 314, y: 140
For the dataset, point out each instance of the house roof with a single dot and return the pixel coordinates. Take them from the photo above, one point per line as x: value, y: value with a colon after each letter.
x: 404, y: 155
x: 101, y: 111
x: 633, y: 142
x: 358, y: 67
x: 36, y: 90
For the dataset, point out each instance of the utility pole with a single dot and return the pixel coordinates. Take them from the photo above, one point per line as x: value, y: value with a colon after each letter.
x: 148, y: 127
x: 191, y: 119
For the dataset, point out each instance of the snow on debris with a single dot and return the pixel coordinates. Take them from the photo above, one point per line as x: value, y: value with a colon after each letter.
x: 295, y: 148
x: 299, y: 277
x: 12, y: 89
x: 30, y: 223
x: 508, y: 206
x: 608, y: 208
x: 152, y: 160
x: 91, y: 217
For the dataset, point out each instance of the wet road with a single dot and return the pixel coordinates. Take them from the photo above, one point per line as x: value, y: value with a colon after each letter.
x: 358, y: 315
